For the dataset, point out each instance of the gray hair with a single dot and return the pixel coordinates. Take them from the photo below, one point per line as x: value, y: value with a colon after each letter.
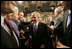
x: 38, y: 14
x: 59, y: 9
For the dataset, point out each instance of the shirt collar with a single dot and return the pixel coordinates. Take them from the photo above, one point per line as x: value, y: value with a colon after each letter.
x: 37, y: 23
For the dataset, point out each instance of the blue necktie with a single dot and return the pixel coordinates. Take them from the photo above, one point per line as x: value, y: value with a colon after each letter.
x: 35, y: 27
x: 68, y: 20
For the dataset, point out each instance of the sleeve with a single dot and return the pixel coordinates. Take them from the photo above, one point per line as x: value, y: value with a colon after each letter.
x: 58, y: 20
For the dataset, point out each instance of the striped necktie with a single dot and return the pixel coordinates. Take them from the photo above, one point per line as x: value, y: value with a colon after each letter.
x: 9, y: 26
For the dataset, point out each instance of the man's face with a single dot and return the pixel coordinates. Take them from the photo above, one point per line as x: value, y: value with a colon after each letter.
x: 62, y: 4
x: 49, y: 19
x: 35, y: 18
x: 7, y: 6
x: 21, y: 15
x: 65, y: 5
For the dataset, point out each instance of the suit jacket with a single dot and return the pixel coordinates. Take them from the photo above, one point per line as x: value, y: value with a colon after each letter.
x: 67, y: 30
x: 58, y: 20
x: 6, y: 40
x: 41, y: 36
x: 63, y: 33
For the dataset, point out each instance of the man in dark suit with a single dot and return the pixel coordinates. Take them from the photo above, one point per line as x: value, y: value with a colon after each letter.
x: 39, y: 32
x: 65, y: 38
x: 6, y: 40
x: 8, y: 36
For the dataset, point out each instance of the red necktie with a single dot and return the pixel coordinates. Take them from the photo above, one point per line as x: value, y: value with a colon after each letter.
x: 9, y: 26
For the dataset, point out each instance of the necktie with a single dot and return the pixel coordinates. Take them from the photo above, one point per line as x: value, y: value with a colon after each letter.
x: 35, y: 27
x: 69, y: 20
x: 9, y: 26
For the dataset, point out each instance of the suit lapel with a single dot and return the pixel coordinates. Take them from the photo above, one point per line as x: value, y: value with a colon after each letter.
x: 38, y: 26
x: 9, y: 39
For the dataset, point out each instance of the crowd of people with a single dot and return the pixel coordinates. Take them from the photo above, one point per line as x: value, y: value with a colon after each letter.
x: 16, y: 32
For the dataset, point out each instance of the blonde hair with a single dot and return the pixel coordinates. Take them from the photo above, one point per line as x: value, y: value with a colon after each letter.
x: 16, y: 10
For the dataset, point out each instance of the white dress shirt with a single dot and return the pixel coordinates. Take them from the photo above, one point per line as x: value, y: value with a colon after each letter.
x: 69, y: 18
x: 36, y: 24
